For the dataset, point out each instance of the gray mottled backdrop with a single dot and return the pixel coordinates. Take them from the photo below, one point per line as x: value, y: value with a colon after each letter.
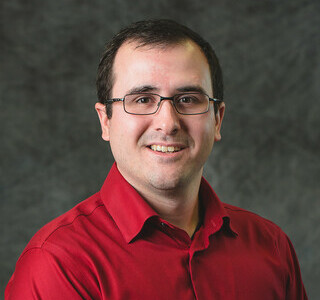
x: 52, y: 155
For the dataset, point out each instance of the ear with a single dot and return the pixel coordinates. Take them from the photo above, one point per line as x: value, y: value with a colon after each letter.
x: 219, y: 117
x: 104, y: 120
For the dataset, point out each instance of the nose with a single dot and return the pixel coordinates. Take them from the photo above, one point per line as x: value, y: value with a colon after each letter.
x: 167, y: 118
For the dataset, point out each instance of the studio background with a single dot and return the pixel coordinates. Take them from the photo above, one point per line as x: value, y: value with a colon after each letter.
x: 52, y: 154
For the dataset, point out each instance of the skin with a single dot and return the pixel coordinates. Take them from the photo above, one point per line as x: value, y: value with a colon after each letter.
x: 169, y: 182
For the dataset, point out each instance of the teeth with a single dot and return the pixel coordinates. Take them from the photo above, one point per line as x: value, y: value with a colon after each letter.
x: 170, y: 149
x: 164, y: 149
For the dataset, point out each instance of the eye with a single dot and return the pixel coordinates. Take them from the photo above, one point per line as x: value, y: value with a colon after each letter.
x: 143, y: 100
x: 187, y: 99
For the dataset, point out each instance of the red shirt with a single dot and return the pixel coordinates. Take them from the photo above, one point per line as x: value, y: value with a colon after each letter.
x: 114, y: 246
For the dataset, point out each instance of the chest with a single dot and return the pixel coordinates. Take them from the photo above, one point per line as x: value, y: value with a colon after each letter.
x: 227, y: 269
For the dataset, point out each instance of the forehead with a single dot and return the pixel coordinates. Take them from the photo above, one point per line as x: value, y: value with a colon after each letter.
x: 164, y: 67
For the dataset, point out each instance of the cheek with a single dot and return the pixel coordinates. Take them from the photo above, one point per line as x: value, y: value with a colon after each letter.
x: 126, y: 130
x: 203, y: 133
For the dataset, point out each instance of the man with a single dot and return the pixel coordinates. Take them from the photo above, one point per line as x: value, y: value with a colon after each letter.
x: 157, y: 230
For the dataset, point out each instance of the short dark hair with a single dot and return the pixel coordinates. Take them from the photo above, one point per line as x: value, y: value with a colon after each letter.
x: 158, y: 32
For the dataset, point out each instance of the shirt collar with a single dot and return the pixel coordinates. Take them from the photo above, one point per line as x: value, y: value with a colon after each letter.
x: 130, y: 211
x: 127, y: 208
x: 215, y: 215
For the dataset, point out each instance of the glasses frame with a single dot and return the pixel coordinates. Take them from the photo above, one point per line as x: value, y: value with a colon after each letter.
x: 214, y: 100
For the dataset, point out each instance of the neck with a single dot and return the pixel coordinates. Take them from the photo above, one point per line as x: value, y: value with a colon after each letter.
x: 180, y: 207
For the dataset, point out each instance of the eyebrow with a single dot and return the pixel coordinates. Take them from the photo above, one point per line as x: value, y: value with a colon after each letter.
x: 192, y: 88
x: 150, y: 88
x: 142, y: 89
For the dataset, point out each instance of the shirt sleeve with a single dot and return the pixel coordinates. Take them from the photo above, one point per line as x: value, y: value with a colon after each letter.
x: 293, y: 280
x: 39, y: 275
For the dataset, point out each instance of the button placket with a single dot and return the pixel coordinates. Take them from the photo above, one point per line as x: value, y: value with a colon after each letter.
x: 175, y: 234
x: 193, y: 261
x: 163, y: 225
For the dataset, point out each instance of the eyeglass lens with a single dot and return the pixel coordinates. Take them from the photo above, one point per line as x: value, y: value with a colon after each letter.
x: 190, y: 103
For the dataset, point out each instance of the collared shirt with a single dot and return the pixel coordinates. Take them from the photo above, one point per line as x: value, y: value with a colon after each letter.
x: 114, y: 246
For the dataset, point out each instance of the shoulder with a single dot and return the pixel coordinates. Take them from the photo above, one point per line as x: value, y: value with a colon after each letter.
x: 68, y: 223
x: 55, y: 261
x: 251, y: 224
x: 257, y: 232
x: 261, y: 237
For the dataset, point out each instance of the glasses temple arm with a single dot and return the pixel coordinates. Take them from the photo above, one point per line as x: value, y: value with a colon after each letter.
x: 215, y: 100
x: 109, y: 101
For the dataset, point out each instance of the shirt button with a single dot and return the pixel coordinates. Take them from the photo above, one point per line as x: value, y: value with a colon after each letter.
x: 164, y: 225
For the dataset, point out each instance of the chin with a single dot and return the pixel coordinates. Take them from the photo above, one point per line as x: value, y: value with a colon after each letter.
x: 166, y: 182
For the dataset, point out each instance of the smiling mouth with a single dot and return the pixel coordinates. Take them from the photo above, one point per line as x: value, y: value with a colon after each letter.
x: 165, y: 149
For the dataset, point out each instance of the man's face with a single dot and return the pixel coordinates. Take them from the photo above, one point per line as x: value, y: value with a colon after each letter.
x: 165, y: 71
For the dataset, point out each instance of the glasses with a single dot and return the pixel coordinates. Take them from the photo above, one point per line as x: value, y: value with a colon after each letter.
x: 148, y: 104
